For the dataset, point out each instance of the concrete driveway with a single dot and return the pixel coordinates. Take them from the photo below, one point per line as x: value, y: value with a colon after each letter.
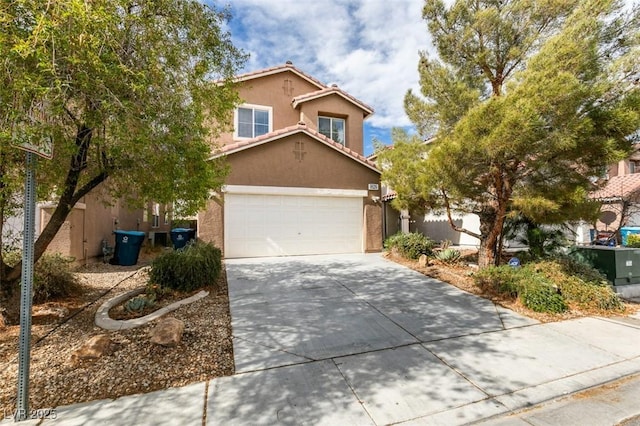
x: 356, y: 339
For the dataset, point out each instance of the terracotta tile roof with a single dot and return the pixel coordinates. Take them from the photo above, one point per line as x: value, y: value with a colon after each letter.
x: 287, y: 131
x: 389, y: 196
x: 618, y: 187
x: 330, y: 91
x: 278, y: 69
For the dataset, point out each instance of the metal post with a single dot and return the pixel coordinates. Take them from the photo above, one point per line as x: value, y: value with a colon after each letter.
x: 26, y: 289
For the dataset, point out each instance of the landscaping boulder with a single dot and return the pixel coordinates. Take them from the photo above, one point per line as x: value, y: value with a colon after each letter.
x: 167, y: 332
x: 48, y: 314
x: 93, y: 348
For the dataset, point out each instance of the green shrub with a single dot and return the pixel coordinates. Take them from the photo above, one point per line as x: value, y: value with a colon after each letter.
x: 195, y: 266
x: 52, y: 278
x: 580, y: 283
x: 533, y: 289
x: 411, y: 245
x: 448, y: 255
x: 594, y: 296
x: 549, y: 286
x: 503, y: 280
x: 633, y: 240
x: 541, y: 297
x: 581, y: 269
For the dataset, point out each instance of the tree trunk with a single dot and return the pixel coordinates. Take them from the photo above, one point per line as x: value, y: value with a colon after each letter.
x: 70, y: 196
x: 490, y: 231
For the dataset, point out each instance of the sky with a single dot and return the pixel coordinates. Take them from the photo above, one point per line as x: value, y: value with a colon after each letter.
x: 369, y: 48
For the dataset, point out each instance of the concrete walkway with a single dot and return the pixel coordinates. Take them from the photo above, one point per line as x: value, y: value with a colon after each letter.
x: 356, y: 339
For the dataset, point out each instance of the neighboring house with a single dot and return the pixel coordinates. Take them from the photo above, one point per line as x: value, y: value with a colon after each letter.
x: 92, y: 221
x: 436, y: 227
x: 620, y: 196
x: 299, y: 183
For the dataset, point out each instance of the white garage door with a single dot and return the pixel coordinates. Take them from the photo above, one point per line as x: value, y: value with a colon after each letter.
x: 280, y: 225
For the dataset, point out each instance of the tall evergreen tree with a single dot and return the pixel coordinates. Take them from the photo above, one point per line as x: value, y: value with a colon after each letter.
x: 529, y: 101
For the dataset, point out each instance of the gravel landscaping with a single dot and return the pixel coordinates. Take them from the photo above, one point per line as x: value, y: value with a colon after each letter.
x: 133, y: 365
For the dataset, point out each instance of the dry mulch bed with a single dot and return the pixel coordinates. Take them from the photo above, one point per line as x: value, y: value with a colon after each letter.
x: 135, y: 365
x: 461, y: 275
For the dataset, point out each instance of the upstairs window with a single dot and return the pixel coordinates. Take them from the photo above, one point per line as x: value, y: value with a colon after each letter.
x: 332, y: 127
x: 634, y: 166
x: 252, y: 121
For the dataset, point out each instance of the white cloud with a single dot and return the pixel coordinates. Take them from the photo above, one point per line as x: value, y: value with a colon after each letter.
x: 368, y: 47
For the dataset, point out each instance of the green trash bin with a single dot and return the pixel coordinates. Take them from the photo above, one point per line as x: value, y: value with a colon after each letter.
x: 127, y: 248
x: 181, y: 236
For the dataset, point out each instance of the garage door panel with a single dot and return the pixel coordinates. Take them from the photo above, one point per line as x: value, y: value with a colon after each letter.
x: 275, y: 225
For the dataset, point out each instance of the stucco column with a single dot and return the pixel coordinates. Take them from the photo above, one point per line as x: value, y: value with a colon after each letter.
x: 373, y: 228
x: 404, y: 221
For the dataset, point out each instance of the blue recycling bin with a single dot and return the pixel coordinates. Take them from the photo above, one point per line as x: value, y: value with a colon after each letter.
x: 181, y: 236
x: 625, y: 231
x: 127, y: 248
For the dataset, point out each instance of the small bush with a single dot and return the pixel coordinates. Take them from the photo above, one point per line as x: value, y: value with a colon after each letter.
x: 52, y: 278
x: 541, y: 297
x: 533, y: 289
x: 448, y: 255
x: 195, y: 266
x: 633, y: 240
x: 503, y: 280
x: 580, y: 283
x: 411, y: 245
x: 549, y: 286
x: 572, y: 266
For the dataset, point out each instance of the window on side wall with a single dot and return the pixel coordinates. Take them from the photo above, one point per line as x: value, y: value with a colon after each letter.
x: 252, y: 121
x: 333, y: 128
x: 155, y: 216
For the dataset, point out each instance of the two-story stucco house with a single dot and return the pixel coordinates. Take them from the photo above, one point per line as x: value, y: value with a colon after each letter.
x: 299, y: 183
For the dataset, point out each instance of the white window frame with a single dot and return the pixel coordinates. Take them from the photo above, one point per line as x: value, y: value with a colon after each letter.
x: 254, y: 107
x: 155, y: 215
x: 344, y: 126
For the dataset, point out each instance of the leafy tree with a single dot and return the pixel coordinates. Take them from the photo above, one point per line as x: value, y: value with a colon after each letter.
x: 529, y: 99
x: 124, y: 90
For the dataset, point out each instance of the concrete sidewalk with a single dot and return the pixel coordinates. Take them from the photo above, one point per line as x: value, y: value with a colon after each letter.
x: 356, y: 339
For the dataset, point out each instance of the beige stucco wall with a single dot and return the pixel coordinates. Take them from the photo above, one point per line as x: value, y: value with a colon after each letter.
x: 92, y: 221
x: 278, y: 90
x: 210, y: 225
x: 372, y: 227
x: 69, y: 239
x: 275, y: 92
x: 275, y: 164
x: 336, y: 106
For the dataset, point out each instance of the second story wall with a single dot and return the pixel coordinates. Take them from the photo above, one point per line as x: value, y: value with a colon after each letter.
x: 276, y: 92
x: 281, y: 97
x: 338, y: 107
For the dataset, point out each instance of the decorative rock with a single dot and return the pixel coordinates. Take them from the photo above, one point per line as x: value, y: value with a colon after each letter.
x: 44, y: 315
x: 93, y: 348
x: 423, y: 261
x: 168, y: 332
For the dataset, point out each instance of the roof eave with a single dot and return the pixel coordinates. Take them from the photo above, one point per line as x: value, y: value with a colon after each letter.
x: 364, y: 107
x: 292, y: 132
x: 277, y: 70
